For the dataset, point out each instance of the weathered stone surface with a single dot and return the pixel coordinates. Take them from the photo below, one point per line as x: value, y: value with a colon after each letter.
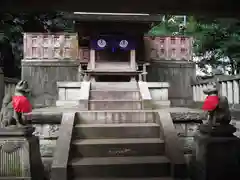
x: 186, y: 129
x: 48, y: 135
x: 47, y: 147
x: 109, y: 117
x: 47, y: 131
x: 188, y: 116
x: 188, y: 144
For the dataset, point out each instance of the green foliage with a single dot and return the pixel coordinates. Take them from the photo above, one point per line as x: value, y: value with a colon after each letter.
x: 214, y: 39
x: 13, y: 25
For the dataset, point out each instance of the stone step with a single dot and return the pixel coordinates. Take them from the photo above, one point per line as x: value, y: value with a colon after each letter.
x: 111, y: 95
x: 125, y: 130
x: 124, y: 104
x: 115, y: 117
x: 146, y: 166
x: 118, y: 147
x: 112, y: 66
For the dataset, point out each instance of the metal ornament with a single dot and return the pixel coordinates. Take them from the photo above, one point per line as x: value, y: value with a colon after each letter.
x: 101, y: 43
x: 123, y: 43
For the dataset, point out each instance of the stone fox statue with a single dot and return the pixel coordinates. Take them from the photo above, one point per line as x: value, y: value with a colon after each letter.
x: 217, y: 107
x: 6, y: 115
x: 16, y: 105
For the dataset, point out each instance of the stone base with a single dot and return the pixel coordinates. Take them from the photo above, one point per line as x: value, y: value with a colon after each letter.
x: 218, y: 130
x: 216, y: 157
x: 19, y: 146
x: 17, y: 131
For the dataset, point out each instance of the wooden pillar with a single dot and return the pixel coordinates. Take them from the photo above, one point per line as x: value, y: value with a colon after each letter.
x: 92, y: 58
x: 133, y: 59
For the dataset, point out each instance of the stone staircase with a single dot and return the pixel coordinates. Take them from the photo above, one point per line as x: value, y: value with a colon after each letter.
x: 116, y: 139
x: 127, y: 150
x: 114, y: 96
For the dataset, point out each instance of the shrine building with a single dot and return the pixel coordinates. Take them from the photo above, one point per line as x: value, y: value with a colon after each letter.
x: 108, y: 47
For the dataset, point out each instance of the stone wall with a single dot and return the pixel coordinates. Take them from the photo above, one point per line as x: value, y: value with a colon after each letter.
x: 48, y: 134
x: 179, y: 75
x: 43, y: 75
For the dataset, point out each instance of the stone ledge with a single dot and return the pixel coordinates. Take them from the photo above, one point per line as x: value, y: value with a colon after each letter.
x: 185, y: 117
x: 172, y: 63
x: 50, y: 62
x: 67, y: 103
x: 68, y: 84
x: 158, y: 85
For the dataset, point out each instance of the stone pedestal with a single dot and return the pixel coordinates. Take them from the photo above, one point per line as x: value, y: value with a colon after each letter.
x: 217, y: 155
x: 20, y: 154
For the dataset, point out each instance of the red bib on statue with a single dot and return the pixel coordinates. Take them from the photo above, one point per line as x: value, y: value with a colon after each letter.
x: 21, y: 104
x: 210, y: 103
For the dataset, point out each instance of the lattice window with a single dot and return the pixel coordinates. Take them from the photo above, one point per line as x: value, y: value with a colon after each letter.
x: 173, y: 51
x: 162, y: 52
x: 183, y: 50
x: 173, y: 40
x: 162, y: 41
x: 183, y: 40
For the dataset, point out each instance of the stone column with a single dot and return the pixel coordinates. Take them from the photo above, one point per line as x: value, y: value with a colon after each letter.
x: 92, y: 58
x: 139, y: 77
x: 133, y: 59
x: 202, y: 94
x: 80, y: 73
x: 205, y: 86
x: 198, y: 93
x: 220, y: 88
x: 194, y: 93
x: 236, y: 91
x: 230, y: 92
x: 2, y: 86
x: 224, y: 88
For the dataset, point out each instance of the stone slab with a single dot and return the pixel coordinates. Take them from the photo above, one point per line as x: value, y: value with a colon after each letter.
x: 154, y: 166
x: 118, y: 147
x: 131, y: 130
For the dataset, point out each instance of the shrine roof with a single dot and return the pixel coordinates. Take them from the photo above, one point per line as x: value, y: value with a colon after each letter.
x: 121, y: 17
